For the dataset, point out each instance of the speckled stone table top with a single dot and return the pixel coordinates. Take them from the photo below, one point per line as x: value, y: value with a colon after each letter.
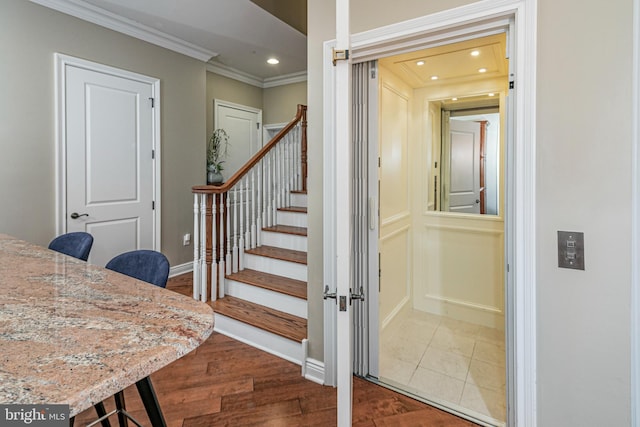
x: 73, y: 333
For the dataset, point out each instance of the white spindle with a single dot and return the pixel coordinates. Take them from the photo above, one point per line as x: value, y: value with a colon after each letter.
x: 228, y: 260
x: 235, y: 231
x: 253, y: 209
x: 196, y: 247
x: 247, y: 235
x: 259, y: 211
x: 203, y: 248
x: 241, y: 238
x: 269, y: 191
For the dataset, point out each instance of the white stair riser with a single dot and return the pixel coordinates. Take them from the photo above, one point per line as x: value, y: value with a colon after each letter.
x: 284, y: 240
x: 267, y: 298
x: 271, y: 343
x: 295, y: 219
x: 298, y: 199
x: 293, y: 270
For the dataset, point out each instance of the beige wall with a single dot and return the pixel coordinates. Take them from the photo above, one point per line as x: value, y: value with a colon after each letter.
x: 583, y: 124
x: 29, y: 36
x: 280, y: 102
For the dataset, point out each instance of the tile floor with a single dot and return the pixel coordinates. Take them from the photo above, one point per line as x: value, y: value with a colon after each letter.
x: 456, y: 364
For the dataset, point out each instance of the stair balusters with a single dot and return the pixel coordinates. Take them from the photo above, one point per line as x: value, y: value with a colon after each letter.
x: 228, y: 219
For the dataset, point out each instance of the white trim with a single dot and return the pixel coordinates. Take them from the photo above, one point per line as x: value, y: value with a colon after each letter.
x: 480, y: 18
x: 61, y: 63
x: 177, y: 270
x: 314, y: 371
x: 104, y: 18
x: 397, y: 309
x: 635, y: 221
x: 250, y: 79
x: 329, y: 214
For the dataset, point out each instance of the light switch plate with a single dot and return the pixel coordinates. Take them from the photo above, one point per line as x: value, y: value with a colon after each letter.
x: 571, y: 250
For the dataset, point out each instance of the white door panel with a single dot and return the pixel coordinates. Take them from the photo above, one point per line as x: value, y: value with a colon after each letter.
x: 110, y: 167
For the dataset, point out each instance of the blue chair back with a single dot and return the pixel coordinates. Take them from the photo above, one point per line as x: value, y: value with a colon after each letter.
x: 76, y: 244
x: 148, y: 266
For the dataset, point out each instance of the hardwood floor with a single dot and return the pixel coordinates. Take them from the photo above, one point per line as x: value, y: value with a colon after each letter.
x: 227, y: 383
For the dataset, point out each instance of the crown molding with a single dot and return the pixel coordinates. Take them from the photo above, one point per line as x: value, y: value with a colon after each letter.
x: 235, y: 74
x: 104, y: 18
x: 285, y: 79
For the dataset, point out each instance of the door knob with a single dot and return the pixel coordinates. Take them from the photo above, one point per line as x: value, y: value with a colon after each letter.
x: 76, y: 215
x: 477, y: 200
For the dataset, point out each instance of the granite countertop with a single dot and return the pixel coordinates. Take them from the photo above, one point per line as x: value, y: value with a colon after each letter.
x: 73, y: 333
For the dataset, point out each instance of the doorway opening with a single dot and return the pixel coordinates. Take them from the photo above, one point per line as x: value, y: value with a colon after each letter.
x: 438, y: 327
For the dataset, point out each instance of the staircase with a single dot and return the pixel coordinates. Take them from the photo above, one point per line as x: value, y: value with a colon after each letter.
x: 265, y: 305
x: 250, y: 247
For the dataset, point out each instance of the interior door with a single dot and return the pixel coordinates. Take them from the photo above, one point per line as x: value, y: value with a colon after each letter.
x: 462, y: 163
x: 109, y: 161
x: 242, y: 124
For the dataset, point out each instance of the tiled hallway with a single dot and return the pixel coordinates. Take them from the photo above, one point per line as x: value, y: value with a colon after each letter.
x: 457, y: 364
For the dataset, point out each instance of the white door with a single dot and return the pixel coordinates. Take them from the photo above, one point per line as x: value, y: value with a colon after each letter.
x: 462, y: 167
x: 109, y: 161
x: 242, y: 124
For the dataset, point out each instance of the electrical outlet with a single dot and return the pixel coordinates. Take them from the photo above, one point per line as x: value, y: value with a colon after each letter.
x: 571, y: 250
x: 186, y: 239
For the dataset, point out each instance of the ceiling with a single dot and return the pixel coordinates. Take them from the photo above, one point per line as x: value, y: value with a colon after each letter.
x: 236, y: 34
x: 454, y: 65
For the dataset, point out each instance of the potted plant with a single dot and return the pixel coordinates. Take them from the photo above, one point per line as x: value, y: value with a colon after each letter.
x: 217, y: 150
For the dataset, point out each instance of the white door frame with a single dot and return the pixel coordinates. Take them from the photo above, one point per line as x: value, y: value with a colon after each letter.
x: 61, y: 63
x: 222, y: 103
x: 466, y: 22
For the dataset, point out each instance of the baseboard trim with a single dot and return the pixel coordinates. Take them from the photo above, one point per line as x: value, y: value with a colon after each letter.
x: 177, y: 270
x: 314, y: 371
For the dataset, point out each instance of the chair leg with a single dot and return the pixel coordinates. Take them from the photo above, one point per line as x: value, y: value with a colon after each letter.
x: 120, y: 405
x: 150, y: 401
x: 101, y: 413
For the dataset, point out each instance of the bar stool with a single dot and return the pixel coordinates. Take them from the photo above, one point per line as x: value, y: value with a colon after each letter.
x: 76, y: 244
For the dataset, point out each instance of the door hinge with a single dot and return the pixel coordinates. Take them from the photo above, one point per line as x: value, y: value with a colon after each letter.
x: 153, y: 205
x: 512, y: 84
x: 258, y: 126
x: 153, y: 102
x: 373, y: 73
x: 153, y: 154
x: 340, y: 55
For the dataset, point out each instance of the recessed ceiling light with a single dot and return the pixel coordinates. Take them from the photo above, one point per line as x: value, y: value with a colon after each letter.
x: 482, y: 70
x: 419, y: 63
x: 475, y: 52
x: 434, y: 77
x: 454, y: 99
x: 272, y: 61
x: 492, y: 94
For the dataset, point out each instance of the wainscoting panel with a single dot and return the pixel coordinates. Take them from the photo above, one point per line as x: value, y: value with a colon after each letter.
x: 460, y: 273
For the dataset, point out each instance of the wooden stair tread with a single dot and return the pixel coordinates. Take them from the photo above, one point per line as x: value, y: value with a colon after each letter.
x: 297, y: 209
x: 283, y: 285
x: 299, y: 257
x: 287, y: 229
x: 268, y: 319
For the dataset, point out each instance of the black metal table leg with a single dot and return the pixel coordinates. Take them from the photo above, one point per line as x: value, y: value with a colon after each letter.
x: 150, y: 401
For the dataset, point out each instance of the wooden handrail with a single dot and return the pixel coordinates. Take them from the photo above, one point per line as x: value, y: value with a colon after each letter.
x: 301, y: 115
